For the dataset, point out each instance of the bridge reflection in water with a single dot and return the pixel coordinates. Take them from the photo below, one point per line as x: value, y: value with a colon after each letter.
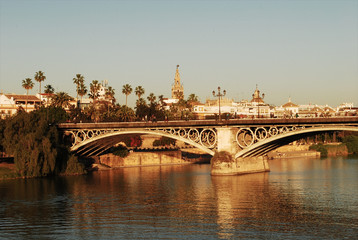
x: 299, y: 198
x: 243, y: 141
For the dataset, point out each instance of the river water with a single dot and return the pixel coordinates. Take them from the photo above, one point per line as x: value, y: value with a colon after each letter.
x: 299, y: 198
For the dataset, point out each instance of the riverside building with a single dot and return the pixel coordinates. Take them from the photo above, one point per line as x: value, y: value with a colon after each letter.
x: 10, y: 103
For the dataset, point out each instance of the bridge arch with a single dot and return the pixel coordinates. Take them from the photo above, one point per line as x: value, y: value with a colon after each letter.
x: 89, y: 145
x: 262, y: 147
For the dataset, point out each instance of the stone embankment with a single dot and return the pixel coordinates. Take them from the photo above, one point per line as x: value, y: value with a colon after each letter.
x: 140, y: 159
x: 293, y: 151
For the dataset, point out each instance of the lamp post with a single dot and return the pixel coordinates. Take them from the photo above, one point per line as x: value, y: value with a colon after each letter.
x: 219, y: 95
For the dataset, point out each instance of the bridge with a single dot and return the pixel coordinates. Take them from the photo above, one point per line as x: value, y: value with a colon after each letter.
x: 244, y: 141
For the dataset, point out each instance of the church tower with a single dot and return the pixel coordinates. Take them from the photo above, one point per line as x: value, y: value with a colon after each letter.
x: 256, y: 98
x: 177, y: 88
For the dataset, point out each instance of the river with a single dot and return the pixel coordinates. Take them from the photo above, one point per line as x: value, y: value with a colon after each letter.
x: 299, y: 198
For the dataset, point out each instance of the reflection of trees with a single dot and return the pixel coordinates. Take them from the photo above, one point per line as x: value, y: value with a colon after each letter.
x: 31, y: 202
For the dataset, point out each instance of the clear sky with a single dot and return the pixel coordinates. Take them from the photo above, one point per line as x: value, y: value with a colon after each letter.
x: 306, y: 50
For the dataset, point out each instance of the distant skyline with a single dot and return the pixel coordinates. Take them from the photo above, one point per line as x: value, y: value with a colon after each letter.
x: 303, y: 50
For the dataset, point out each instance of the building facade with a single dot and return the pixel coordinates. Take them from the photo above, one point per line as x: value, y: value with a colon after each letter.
x: 10, y: 103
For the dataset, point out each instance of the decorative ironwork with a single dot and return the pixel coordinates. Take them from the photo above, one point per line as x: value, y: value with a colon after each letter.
x: 247, y: 136
x: 205, y: 136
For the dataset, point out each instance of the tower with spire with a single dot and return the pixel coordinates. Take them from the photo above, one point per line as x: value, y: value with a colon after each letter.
x: 177, y: 88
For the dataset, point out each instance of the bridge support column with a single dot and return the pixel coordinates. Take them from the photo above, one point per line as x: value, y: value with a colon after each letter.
x: 224, y: 162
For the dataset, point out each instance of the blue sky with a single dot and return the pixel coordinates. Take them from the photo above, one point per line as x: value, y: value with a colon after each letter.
x: 306, y: 50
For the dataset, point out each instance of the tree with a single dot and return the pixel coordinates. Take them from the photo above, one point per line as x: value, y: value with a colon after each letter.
x: 78, y: 80
x: 49, y: 90
x: 40, y: 77
x: 139, y: 91
x: 127, y: 89
x: 109, y: 95
x: 61, y: 99
x: 161, y: 101
x: 27, y: 84
x: 151, y: 98
x: 141, y: 108
x: 38, y: 151
x: 193, y: 98
x: 82, y: 90
x: 95, y: 86
x: 125, y: 114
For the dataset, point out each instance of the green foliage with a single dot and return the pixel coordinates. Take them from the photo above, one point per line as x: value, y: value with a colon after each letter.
x: 2, y: 129
x: 34, y: 141
x: 74, y: 166
x: 120, y: 151
x: 164, y: 141
x: 320, y: 148
x: 125, y: 114
x: 351, y: 142
x: 52, y: 114
x: 6, y: 173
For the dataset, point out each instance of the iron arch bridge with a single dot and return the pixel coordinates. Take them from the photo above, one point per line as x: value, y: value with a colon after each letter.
x: 250, y: 137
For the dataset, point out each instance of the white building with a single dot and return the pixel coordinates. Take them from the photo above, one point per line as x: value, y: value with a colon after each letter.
x: 10, y: 103
x: 243, y: 109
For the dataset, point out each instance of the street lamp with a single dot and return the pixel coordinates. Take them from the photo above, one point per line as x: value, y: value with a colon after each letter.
x: 219, y: 95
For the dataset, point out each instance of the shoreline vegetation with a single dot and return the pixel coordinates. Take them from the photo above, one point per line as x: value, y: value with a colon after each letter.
x: 39, y: 150
x: 36, y: 145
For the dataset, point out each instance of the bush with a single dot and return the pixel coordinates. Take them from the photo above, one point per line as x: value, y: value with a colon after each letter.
x: 120, y: 151
x: 351, y: 142
x: 164, y: 141
x: 320, y: 148
x: 74, y: 166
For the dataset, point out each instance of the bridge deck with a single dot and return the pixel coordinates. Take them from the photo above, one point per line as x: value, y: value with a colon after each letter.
x: 199, y: 123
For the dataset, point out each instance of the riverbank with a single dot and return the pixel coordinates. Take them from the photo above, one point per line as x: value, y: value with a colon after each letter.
x: 7, y: 170
x: 294, y: 154
x: 151, y: 158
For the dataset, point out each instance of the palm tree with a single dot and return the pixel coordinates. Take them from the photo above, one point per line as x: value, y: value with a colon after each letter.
x: 126, y: 114
x: 109, y: 94
x: 151, y: 98
x: 141, y: 101
x: 78, y: 80
x: 141, y: 108
x: 40, y: 77
x: 161, y: 101
x: 193, y: 98
x: 61, y: 99
x: 82, y: 90
x: 27, y: 84
x: 95, y: 86
x: 139, y: 91
x: 127, y: 89
x: 49, y: 90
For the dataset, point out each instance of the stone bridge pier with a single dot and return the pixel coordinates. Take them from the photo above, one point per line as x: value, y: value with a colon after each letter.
x: 224, y: 161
